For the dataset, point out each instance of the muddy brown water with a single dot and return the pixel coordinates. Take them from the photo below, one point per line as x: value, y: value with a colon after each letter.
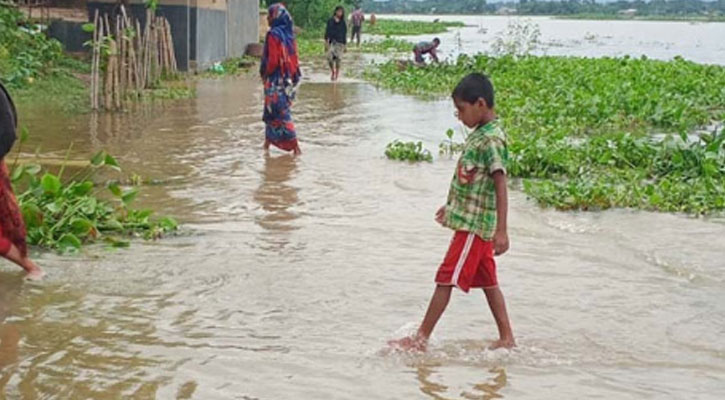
x: 291, y: 274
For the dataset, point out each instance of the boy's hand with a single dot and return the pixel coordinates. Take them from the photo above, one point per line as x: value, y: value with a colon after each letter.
x: 441, y: 215
x: 500, y: 242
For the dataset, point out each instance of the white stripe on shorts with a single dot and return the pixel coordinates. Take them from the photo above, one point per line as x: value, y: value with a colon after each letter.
x: 462, y: 259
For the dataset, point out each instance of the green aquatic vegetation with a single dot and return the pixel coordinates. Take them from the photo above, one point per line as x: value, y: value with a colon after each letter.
x: 64, y: 214
x: 407, y: 151
x: 449, y: 147
x: 394, y: 27
x: 387, y: 45
x: 598, y: 133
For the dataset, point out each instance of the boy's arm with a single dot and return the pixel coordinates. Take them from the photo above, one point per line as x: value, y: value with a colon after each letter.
x: 500, y: 237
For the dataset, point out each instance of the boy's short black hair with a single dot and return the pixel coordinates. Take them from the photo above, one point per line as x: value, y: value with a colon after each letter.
x: 475, y: 86
x: 436, y: 40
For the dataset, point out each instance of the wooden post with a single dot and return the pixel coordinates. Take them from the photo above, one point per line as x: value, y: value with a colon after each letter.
x: 94, y: 63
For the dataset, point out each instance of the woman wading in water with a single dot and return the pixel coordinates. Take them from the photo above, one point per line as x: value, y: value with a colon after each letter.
x: 280, y: 72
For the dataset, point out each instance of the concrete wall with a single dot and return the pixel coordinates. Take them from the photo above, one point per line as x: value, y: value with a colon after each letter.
x: 211, y: 36
x: 242, y: 25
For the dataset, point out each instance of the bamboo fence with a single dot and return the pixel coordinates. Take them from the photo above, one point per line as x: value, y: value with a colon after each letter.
x: 126, y: 59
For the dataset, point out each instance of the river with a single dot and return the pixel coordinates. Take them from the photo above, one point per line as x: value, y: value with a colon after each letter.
x: 290, y: 275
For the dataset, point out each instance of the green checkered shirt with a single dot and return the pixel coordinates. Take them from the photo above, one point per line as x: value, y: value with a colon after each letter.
x: 471, y: 204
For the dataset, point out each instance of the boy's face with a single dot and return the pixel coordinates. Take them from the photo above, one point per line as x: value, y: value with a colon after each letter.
x: 470, y: 114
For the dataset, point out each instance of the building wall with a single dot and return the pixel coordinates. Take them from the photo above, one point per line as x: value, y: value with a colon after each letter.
x: 242, y: 25
x: 210, y: 40
x: 204, y: 31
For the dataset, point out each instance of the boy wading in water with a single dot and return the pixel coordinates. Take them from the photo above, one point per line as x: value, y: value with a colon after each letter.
x: 476, y: 210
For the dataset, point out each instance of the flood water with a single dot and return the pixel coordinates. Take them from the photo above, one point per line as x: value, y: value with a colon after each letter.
x: 290, y: 275
x: 701, y: 42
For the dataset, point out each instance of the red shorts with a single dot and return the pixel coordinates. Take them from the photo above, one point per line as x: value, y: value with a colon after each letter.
x: 468, y: 264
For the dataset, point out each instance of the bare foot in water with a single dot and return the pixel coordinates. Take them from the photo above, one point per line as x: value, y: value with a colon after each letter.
x: 409, y: 343
x: 34, y: 273
x: 297, y: 151
x: 502, y: 344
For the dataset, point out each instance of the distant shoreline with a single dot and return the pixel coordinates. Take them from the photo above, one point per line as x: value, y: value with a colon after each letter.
x: 583, y: 17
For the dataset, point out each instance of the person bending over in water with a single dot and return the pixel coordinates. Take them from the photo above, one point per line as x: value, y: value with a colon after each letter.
x: 476, y: 210
x: 423, y: 48
x: 13, y: 245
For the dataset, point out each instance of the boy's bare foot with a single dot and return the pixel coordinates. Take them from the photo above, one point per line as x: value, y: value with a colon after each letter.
x: 297, y: 151
x: 502, y: 344
x: 409, y: 343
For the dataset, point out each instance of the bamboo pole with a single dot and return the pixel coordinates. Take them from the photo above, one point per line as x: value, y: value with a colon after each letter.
x: 172, y: 53
x: 94, y: 63
x: 123, y: 67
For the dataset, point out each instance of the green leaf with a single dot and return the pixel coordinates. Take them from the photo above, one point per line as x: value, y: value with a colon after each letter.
x: 51, y: 184
x: 17, y: 173
x: 69, y: 242
x: 129, y: 196
x: 113, y: 225
x: 83, y: 189
x: 117, y: 243
x: 111, y: 162
x: 32, y: 215
x: 82, y: 226
x: 89, y: 206
x: 32, y: 169
x: 98, y: 159
x: 168, y: 224
x: 115, y: 189
x: 89, y: 27
x: 24, y: 135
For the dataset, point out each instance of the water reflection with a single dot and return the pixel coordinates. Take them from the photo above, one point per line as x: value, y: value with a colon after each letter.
x: 275, y: 195
x: 10, y: 285
x: 486, y: 390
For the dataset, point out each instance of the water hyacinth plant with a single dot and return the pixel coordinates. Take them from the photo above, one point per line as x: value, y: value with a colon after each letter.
x: 64, y: 215
x: 407, y: 151
x: 597, y: 133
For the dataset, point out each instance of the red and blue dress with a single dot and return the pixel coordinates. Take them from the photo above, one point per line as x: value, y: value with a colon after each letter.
x: 280, y: 71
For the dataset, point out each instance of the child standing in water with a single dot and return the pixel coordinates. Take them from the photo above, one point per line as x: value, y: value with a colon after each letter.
x: 476, y: 210
x: 13, y: 245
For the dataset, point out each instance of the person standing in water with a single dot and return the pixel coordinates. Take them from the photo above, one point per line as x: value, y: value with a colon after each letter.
x: 476, y: 210
x: 423, y: 48
x: 13, y: 245
x: 356, y: 19
x: 280, y: 72
x: 335, y: 41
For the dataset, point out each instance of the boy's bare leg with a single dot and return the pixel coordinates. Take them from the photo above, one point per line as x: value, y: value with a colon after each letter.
x: 438, y: 304
x: 498, y: 308
x: 33, y: 271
